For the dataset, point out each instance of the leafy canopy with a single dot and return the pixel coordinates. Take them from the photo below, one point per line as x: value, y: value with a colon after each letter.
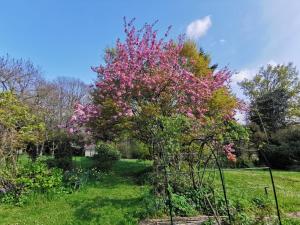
x: 274, y: 94
x: 18, y: 126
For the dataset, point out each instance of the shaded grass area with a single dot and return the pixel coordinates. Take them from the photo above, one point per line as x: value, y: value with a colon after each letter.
x: 115, y: 199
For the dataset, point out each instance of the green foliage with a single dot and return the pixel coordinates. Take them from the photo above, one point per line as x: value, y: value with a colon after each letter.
x: 271, y: 78
x: 33, y: 177
x: 36, y: 176
x: 274, y: 94
x: 125, y: 202
x: 115, y: 199
x: 239, y: 135
x: 205, y: 200
x: 181, y: 206
x: 153, y: 206
x: 283, y: 150
x: 131, y: 148
x: 171, y: 132
x: 79, y: 177
x: 236, y: 132
x: 270, y: 110
x: 198, y: 60
x: 106, y: 155
x: 102, y: 126
x: 63, y: 152
x: 18, y: 126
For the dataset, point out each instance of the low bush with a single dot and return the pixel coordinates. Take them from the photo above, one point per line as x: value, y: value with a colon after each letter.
x: 33, y: 177
x: 106, y: 155
x: 78, y: 177
x: 183, y: 206
x: 36, y: 176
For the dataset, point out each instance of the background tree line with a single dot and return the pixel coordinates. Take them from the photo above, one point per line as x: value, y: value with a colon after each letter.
x: 34, y: 109
x: 273, y: 117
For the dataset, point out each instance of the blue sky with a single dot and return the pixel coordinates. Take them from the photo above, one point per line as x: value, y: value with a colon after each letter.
x: 66, y: 38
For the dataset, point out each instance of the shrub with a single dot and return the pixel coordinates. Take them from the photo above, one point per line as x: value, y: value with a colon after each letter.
x: 63, y: 154
x: 32, y: 177
x: 283, y: 152
x: 144, y: 176
x: 9, y: 191
x: 106, y: 156
x: 66, y: 147
x: 182, y: 206
x: 36, y: 176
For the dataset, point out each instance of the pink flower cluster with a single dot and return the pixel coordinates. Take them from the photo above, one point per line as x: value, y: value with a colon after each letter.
x: 82, y: 115
x: 229, y: 152
x: 145, y: 67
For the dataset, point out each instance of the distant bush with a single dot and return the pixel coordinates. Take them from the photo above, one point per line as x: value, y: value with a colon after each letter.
x: 283, y: 152
x: 65, y: 148
x: 133, y: 149
x: 144, y: 176
x: 106, y: 155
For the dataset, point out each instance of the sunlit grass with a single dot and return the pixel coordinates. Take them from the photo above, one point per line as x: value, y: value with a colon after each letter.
x: 118, y: 199
x: 115, y: 199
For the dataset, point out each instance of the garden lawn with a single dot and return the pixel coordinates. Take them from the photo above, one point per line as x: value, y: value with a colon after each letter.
x: 248, y: 184
x: 245, y: 186
x: 116, y: 199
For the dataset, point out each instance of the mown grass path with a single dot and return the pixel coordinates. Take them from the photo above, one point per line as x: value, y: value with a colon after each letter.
x: 116, y: 199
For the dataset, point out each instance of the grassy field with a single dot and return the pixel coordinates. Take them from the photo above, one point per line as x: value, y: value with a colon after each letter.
x: 117, y: 198
x: 246, y: 184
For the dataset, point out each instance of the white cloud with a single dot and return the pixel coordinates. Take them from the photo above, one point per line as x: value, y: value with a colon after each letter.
x: 238, y: 77
x: 198, y: 28
x: 247, y: 73
x: 222, y: 41
x: 242, y: 74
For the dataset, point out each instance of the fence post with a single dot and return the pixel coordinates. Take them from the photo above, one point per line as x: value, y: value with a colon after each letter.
x: 275, y: 195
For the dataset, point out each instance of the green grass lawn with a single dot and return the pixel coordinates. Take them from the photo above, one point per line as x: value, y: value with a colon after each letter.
x: 251, y: 183
x: 118, y: 199
x: 244, y: 185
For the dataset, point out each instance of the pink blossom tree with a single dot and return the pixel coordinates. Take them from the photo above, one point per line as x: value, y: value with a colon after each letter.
x: 146, y: 76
